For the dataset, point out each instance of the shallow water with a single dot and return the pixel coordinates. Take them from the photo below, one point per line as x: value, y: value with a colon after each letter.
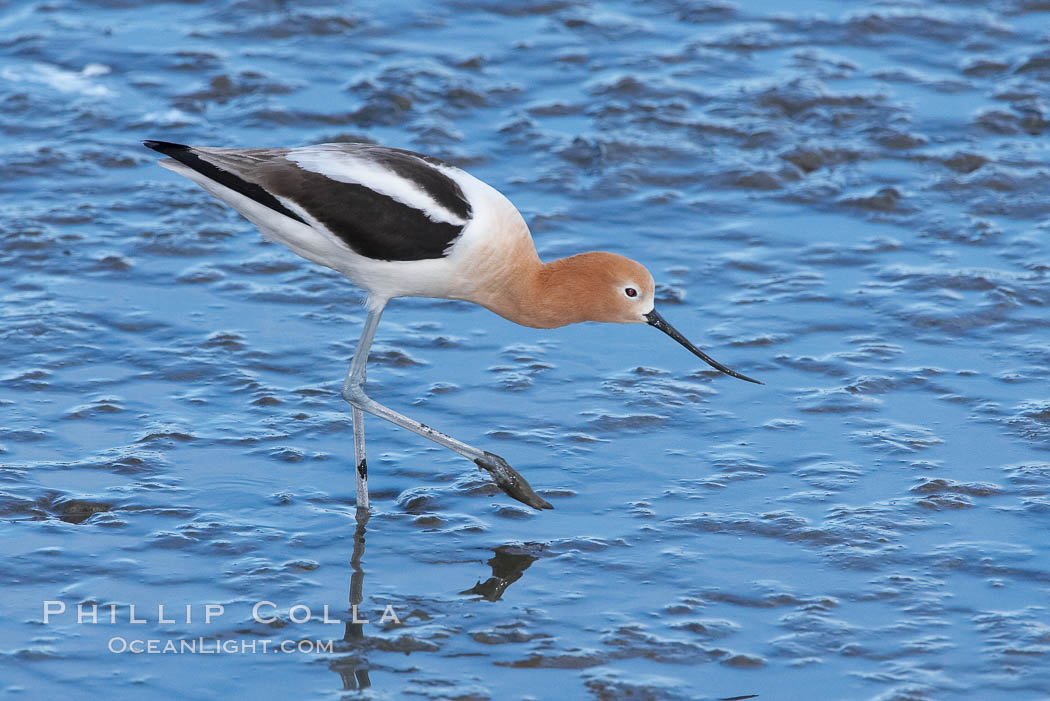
x: 846, y: 200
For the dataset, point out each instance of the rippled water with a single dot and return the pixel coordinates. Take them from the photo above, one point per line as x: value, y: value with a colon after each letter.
x: 846, y: 200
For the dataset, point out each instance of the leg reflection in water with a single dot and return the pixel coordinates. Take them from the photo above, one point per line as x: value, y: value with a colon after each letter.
x: 509, y: 563
x: 354, y: 670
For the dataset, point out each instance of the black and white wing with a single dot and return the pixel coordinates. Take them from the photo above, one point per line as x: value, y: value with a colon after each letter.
x: 383, y: 203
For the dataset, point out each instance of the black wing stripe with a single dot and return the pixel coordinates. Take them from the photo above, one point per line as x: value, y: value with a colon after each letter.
x: 186, y: 156
x: 371, y: 224
x: 418, y: 169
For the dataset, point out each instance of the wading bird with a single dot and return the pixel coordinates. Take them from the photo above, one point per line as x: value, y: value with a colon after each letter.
x: 401, y: 224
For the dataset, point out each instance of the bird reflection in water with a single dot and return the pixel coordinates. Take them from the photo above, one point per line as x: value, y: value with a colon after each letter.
x: 508, y: 564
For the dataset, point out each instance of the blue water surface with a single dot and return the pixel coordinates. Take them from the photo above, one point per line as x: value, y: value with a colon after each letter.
x: 848, y: 200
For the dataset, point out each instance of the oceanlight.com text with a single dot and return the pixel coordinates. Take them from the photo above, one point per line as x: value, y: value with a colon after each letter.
x: 119, y: 645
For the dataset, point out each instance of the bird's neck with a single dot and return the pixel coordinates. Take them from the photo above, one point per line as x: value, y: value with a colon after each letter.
x: 545, y: 295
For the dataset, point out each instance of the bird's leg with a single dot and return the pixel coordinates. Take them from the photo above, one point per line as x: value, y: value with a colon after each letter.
x: 353, y: 391
x: 356, y: 376
x: 359, y: 457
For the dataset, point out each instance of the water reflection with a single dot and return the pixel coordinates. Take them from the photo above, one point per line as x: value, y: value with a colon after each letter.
x: 353, y: 669
x: 508, y: 564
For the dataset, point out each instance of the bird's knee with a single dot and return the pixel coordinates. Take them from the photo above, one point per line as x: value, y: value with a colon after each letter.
x: 354, y: 394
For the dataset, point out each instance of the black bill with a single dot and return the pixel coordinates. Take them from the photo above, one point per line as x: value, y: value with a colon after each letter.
x: 659, y: 322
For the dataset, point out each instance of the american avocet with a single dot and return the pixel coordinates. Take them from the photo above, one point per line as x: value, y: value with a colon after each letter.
x: 400, y: 224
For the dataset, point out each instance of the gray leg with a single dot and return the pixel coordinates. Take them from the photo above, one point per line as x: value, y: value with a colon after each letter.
x: 353, y: 391
x: 359, y: 457
x: 359, y: 365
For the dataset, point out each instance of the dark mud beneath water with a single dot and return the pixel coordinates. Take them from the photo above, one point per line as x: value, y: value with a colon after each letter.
x: 848, y: 201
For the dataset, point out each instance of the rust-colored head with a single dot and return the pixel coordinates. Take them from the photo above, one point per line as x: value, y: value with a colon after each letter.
x: 596, y: 286
x: 600, y: 286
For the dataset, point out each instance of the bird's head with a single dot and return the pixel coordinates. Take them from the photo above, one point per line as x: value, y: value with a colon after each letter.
x: 611, y: 288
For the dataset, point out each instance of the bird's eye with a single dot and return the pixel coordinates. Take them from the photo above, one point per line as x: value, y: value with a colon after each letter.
x: 631, y: 292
